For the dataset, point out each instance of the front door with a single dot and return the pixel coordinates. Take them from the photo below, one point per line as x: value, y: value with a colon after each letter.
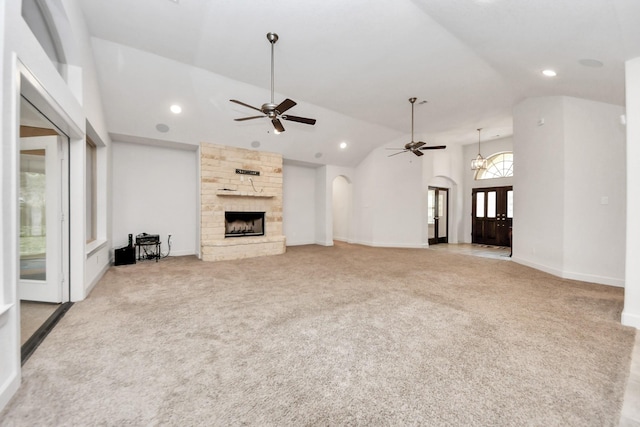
x: 492, y: 215
x: 41, y: 245
x: 438, y: 215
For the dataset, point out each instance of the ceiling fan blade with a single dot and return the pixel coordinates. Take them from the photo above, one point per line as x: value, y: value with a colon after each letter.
x: 277, y: 125
x: 395, y: 154
x: 300, y: 119
x: 285, y: 105
x: 248, y: 118
x: 414, y: 145
x: 417, y: 153
x: 246, y: 105
x: 434, y: 147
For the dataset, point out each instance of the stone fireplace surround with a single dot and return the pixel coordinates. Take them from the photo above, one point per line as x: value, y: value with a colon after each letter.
x: 222, y: 189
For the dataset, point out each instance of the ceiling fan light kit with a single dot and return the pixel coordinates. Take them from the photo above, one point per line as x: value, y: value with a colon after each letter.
x: 415, y: 146
x: 271, y: 110
x: 479, y: 162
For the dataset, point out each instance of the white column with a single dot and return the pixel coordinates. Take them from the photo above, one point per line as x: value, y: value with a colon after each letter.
x: 631, y: 312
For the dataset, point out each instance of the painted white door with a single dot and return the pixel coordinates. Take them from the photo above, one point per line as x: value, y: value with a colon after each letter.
x: 40, y: 220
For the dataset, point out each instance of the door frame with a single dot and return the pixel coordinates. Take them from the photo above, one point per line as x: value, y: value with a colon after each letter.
x: 51, y: 289
x: 436, y: 226
x: 495, y: 231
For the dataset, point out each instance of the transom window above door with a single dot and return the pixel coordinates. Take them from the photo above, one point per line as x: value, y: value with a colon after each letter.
x: 499, y: 165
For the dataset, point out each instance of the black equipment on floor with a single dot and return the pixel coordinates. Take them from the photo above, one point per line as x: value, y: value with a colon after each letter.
x: 148, y: 246
x: 127, y: 254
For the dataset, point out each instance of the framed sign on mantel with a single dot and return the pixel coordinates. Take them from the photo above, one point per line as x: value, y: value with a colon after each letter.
x: 247, y: 172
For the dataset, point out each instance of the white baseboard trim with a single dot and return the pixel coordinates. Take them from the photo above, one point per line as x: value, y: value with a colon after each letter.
x: 602, y: 280
x: 10, y: 387
x: 630, y: 319
x: 393, y: 245
x: 590, y: 278
x: 182, y: 253
x: 301, y: 242
x: 94, y: 282
x: 541, y: 267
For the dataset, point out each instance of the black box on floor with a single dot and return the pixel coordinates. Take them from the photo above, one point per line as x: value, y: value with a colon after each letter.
x: 126, y: 255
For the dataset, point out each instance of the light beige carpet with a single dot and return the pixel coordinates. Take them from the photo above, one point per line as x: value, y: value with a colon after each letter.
x: 344, y: 335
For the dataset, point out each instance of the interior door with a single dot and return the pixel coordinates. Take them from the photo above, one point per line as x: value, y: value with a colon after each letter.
x: 492, y: 215
x: 40, y: 219
x: 438, y: 215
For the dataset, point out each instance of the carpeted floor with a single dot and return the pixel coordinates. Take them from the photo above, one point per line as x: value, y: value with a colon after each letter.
x: 343, y: 335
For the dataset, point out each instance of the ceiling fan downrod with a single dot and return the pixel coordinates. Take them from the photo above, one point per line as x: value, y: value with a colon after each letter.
x: 273, y: 38
x: 412, y: 101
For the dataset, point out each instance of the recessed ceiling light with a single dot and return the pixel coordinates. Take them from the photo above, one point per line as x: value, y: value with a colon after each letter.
x: 176, y: 109
x: 343, y: 145
x: 593, y: 63
x: 549, y: 73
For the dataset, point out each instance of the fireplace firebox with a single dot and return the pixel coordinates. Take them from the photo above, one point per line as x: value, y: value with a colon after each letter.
x: 243, y: 224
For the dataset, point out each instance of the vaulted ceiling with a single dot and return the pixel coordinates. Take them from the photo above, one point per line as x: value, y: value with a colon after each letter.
x: 352, y: 65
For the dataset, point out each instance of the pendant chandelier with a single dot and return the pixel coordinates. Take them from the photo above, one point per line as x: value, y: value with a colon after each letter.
x: 479, y: 162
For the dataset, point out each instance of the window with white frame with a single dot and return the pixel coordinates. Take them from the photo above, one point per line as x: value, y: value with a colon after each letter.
x: 91, y: 191
x: 499, y: 165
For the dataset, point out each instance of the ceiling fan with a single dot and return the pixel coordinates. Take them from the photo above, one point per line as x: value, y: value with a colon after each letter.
x: 270, y: 109
x: 415, y: 146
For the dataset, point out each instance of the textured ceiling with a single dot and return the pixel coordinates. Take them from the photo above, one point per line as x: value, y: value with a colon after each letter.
x: 355, y: 63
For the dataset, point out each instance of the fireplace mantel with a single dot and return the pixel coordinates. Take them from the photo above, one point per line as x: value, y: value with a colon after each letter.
x: 228, y: 193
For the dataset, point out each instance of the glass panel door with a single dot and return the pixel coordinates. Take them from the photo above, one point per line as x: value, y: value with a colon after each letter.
x: 40, y: 220
x: 33, y: 218
x: 437, y: 216
x: 442, y: 215
x: 431, y: 214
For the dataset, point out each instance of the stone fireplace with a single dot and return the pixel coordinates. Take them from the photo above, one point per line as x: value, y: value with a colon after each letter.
x: 241, y: 203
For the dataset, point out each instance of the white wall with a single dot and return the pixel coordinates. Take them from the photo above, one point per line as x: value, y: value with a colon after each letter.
x: 9, y: 307
x: 569, y: 208
x: 631, y: 312
x: 65, y: 101
x: 83, y: 83
x: 342, y: 200
x: 538, y: 184
x: 595, y: 192
x: 299, y: 204
x: 155, y: 192
x: 388, y: 200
